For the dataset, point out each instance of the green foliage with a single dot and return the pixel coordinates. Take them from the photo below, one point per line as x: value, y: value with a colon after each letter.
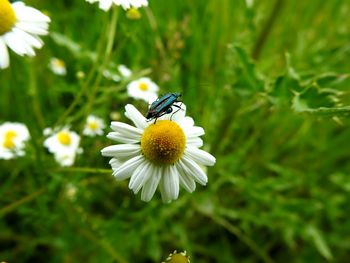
x: 278, y: 127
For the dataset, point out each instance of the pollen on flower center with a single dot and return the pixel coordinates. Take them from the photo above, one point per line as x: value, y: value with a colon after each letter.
x: 7, y: 17
x: 64, y: 138
x: 93, y: 125
x: 9, y: 143
x: 163, y: 142
x: 143, y: 86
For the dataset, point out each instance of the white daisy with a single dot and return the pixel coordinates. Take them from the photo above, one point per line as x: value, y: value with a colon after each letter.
x: 20, y: 28
x: 126, y: 4
x: 94, y: 126
x: 64, y: 144
x: 144, y: 89
x: 124, y: 71
x: 58, y: 66
x: 12, y: 139
x: 165, y: 153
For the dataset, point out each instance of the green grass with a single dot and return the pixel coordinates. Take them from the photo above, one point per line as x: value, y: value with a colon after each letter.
x: 278, y: 126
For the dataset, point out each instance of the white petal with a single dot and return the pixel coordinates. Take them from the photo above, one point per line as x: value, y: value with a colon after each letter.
x: 150, y: 186
x: 194, y: 131
x: 195, y: 141
x: 200, y: 156
x: 115, y: 163
x: 127, y: 168
x: 140, y: 176
x: 185, y: 180
x: 126, y: 129
x: 165, y: 197
x: 29, y: 39
x: 193, y: 169
x: 171, y: 182
x: 4, y: 55
x: 116, y: 136
x: 135, y: 116
x: 121, y: 150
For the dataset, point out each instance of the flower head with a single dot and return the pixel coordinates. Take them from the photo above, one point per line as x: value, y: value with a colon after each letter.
x: 177, y: 258
x: 144, y: 89
x: 94, y: 126
x: 58, y: 66
x: 20, y: 26
x: 12, y: 139
x: 126, y: 4
x: 164, y: 153
x: 64, y: 144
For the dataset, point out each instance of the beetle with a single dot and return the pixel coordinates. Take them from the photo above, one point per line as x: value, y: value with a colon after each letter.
x: 163, y: 105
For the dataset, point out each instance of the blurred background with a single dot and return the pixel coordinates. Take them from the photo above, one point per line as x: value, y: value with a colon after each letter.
x: 268, y: 81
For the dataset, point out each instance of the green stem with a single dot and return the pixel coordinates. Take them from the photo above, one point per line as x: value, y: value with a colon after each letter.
x: 83, y: 170
x: 265, y: 32
x: 238, y: 233
x: 21, y: 201
x: 107, y: 56
x: 86, y: 84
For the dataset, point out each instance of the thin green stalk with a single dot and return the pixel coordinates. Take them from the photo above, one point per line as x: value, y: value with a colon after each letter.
x: 33, y: 92
x: 83, y: 170
x: 265, y: 32
x: 21, y: 201
x: 105, y: 61
x: 238, y: 233
x: 87, y: 83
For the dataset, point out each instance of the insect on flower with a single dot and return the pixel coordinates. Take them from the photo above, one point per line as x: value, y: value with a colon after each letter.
x: 163, y: 105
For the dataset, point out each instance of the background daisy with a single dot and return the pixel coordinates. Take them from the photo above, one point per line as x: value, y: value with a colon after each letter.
x: 126, y: 4
x: 144, y: 89
x: 58, y: 66
x: 13, y: 136
x: 93, y: 126
x: 20, y: 28
x: 64, y: 144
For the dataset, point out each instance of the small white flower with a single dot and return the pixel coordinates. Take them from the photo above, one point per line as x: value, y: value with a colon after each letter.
x: 64, y: 144
x: 94, y: 126
x: 126, y: 4
x: 20, y: 28
x: 124, y: 71
x: 58, y: 66
x: 12, y: 139
x: 144, y: 89
x: 165, y: 153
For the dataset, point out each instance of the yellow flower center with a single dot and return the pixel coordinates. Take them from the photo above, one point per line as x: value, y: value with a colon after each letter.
x: 9, y: 142
x: 64, y: 138
x: 163, y: 142
x: 178, y: 258
x: 7, y: 17
x: 93, y: 125
x: 143, y: 86
x: 133, y: 14
x: 58, y: 63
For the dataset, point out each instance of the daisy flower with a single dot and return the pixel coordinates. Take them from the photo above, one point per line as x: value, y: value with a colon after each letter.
x: 164, y: 153
x: 144, y: 89
x: 94, y: 126
x: 126, y: 4
x: 12, y: 139
x: 58, y: 66
x: 20, y: 28
x: 177, y: 257
x: 124, y: 71
x: 64, y: 144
